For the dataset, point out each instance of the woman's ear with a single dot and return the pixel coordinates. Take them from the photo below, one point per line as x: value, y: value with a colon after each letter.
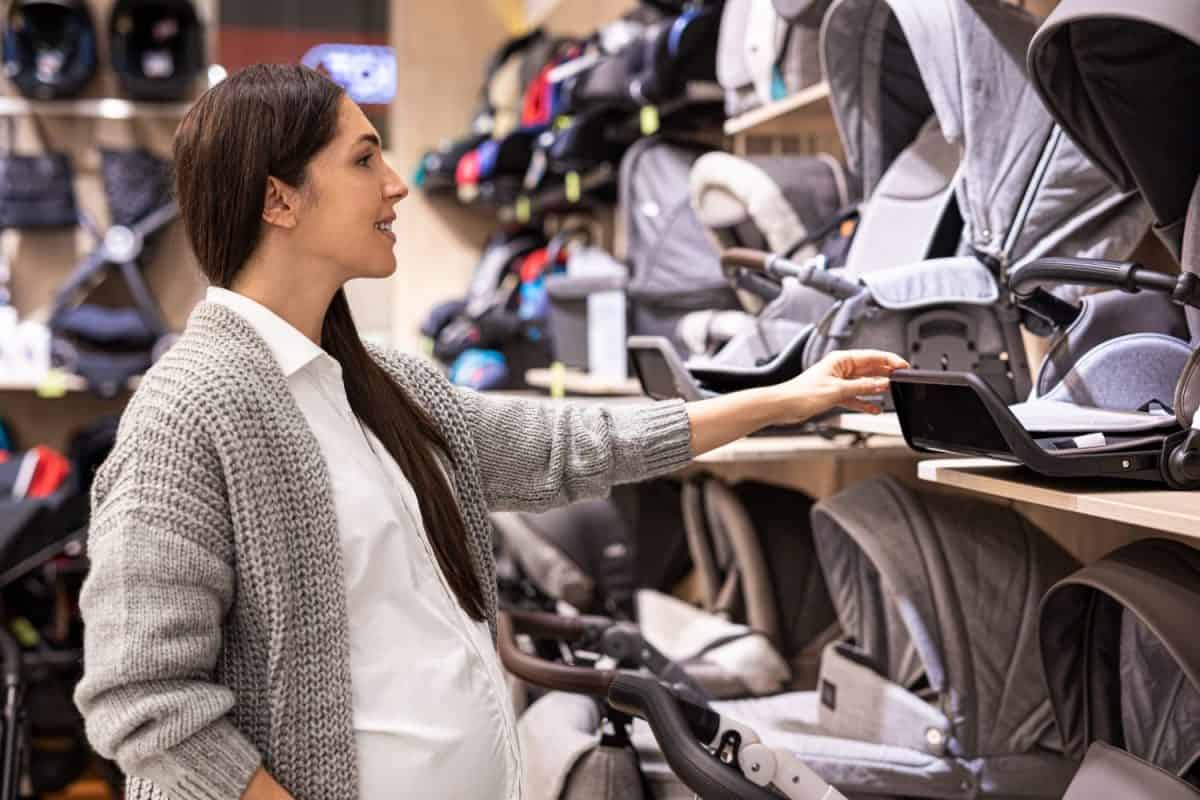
x: 280, y: 204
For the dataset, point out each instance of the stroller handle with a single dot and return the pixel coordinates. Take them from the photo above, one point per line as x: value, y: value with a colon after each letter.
x: 681, y: 728
x: 811, y: 273
x: 1127, y: 276
x: 578, y: 680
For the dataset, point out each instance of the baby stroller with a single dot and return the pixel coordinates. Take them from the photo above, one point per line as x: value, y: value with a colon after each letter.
x: 1120, y: 663
x: 764, y: 613
x: 935, y: 690
x: 1119, y: 391
x: 904, y: 170
x: 1021, y: 195
x: 107, y: 345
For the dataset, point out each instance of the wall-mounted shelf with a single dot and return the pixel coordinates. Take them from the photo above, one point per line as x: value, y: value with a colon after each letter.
x: 881, y: 424
x: 807, y: 446
x: 54, y: 387
x: 1149, y: 507
x: 814, y: 99
x: 90, y: 107
x: 573, y: 381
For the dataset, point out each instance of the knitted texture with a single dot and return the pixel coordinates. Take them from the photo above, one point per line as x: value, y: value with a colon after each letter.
x: 216, y: 633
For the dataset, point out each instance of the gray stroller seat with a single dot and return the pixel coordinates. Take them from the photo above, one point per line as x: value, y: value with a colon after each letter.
x: 1023, y: 190
x: 936, y: 690
x: 1122, y: 663
x: 1119, y: 391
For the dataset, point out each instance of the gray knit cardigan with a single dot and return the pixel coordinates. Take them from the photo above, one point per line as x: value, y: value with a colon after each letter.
x: 216, y: 634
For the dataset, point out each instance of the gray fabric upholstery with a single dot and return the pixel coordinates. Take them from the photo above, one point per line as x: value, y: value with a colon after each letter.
x: 934, y: 282
x: 894, y: 557
x: 1109, y: 772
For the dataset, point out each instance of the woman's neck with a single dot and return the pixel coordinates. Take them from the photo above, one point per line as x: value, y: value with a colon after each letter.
x: 300, y: 301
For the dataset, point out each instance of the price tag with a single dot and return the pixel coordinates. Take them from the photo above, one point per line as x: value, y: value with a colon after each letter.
x: 574, y: 188
x: 558, y: 380
x: 650, y: 121
x: 24, y: 632
x: 53, y: 385
x: 522, y: 210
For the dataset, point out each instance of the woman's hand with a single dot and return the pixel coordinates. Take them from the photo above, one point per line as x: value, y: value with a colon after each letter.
x: 263, y: 787
x: 839, y: 379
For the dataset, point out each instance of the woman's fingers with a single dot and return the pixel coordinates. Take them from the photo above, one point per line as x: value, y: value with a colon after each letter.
x: 862, y: 387
x: 854, y: 404
x: 865, y: 363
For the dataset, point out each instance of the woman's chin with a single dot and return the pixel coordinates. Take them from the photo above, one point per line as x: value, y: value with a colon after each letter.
x: 380, y: 269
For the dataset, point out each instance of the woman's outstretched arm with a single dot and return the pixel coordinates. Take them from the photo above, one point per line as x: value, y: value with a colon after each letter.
x: 536, y: 455
x: 838, y: 380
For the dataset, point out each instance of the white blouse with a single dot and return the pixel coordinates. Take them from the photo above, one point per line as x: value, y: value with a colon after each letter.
x: 431, y: 712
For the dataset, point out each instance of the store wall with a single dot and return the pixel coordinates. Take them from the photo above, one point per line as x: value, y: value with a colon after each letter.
x: 39, y: 262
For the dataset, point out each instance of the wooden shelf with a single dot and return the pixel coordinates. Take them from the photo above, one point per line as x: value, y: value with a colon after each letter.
x: 813, y: 99
x: 881, y: 424
x: 807, y: 446
x: 69, y: 383
x: 582, y: 383
x: 97, y: 107
x: 1160, y: 509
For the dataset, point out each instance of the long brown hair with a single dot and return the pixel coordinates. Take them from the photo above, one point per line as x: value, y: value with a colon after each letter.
x: 270, y: 120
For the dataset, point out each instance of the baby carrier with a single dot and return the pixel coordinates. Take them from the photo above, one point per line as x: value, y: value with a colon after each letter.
x: 935, y: 689
x: 1119, y: 391
x: 1021, y: 195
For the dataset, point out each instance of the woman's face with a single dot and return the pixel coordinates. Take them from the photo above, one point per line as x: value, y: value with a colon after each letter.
x: 346, y: 211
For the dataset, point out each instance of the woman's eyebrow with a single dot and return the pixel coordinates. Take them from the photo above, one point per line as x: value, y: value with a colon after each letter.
x: 368, y: 137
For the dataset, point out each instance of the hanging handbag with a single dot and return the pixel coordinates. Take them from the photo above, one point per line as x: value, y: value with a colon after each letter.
x: 36, y: 191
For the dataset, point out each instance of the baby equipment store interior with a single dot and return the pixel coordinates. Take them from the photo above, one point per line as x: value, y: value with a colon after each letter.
x: 565, y: 399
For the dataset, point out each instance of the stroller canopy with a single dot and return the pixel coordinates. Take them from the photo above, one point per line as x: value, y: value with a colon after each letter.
x: 1121, y: 655
x: 1115, y: 74
x: 941, y: 593
x: 1024, y: 189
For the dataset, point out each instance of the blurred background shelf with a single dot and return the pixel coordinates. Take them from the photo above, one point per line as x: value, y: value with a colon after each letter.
x: 98, y: 107
x: 811, y: 101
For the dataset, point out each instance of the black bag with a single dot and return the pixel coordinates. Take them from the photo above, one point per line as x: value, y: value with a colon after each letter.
x: 36, y: 191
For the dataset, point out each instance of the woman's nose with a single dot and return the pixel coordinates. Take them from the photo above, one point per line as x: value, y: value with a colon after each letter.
x: 395, y: 189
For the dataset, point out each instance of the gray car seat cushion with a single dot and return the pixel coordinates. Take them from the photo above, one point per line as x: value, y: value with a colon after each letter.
x: 1109, y: 772
x: 1108, y: 385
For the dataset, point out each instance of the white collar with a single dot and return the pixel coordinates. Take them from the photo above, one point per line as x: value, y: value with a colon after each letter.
x: 291, y: 348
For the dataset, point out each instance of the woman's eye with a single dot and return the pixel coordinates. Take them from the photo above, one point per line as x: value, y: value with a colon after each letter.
x: 364, y: 160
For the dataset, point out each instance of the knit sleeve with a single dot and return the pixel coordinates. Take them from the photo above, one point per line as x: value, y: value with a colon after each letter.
x: 160, y: 583
x: 535, y: 455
